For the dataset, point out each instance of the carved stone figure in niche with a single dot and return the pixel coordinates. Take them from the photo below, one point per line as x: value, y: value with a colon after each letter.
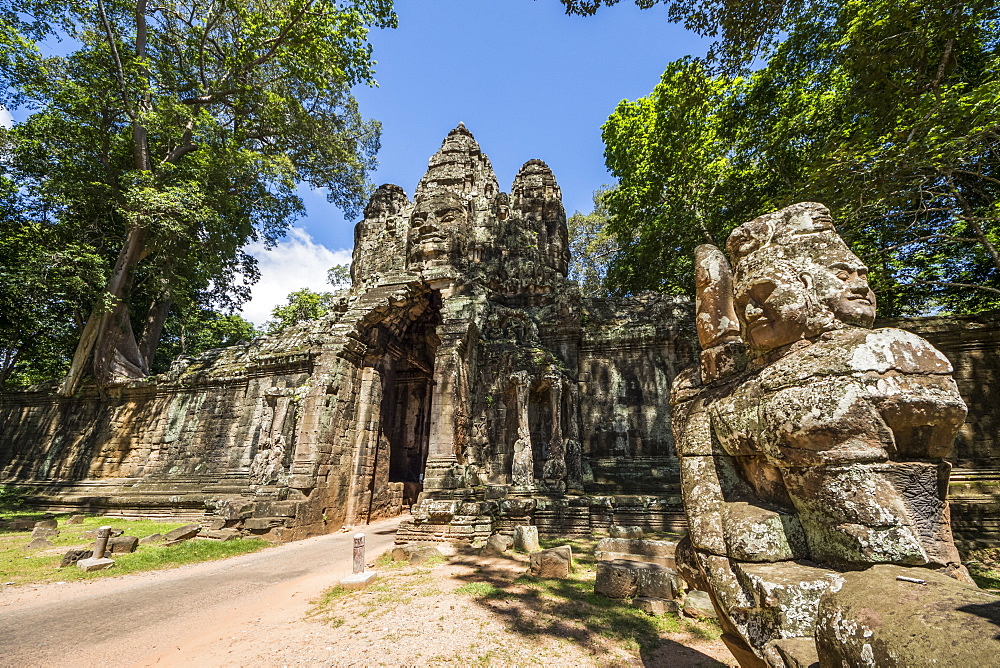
x: 437, y: 225
x: 818, y: 451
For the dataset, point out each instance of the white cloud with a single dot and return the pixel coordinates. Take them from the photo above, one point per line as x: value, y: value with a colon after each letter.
x: 296, y: 262
x: 6, y: 120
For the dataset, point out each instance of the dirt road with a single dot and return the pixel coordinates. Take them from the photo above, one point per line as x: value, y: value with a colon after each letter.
x: 231, y: 612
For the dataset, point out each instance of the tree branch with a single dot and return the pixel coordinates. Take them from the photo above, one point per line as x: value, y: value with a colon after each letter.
x: 975, y: 286
x: 116, y: 57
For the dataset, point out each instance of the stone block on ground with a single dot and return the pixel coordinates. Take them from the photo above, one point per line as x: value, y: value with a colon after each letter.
x: 75, y: 519
x: 403, y: 552
x: 22, y: 525
x: 424, y: 554
x: 698, y: 604
x: 182, y: 533
x: 122, y: 545
x: 656, y: 606
x: 497, y: 544
x: 359, y: 580
x: 37, y: 544
x: 44, y: 532
x: 91, y: 564
x: 630, y: 532
x: 75, y: 555
x: 46, y: 524
x: 153, y: 538
x: 213, y: 524
x: 526, y: 538
x: 555, y: 562
x: 624, y: 578
x: 219, y: 534
x: 659, y: 552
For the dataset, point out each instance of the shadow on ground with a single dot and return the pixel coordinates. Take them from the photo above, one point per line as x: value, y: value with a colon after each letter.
x: 569, y: 609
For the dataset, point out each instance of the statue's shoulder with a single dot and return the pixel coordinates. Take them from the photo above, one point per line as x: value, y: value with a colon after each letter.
x: 855, y: 351
x: 890, y: 349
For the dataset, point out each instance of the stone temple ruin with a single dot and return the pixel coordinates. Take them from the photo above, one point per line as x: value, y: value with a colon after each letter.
x: 462, y: 377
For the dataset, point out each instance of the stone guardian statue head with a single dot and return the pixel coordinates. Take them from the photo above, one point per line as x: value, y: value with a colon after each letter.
x: 795, y: 278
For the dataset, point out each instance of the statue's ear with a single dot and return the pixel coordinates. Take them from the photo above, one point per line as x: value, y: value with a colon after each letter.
x: 807, y: 280
x: 722, y: 351
x: 715, y: 317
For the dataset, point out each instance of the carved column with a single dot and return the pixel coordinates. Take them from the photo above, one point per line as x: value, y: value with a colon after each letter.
x: 555, y: 466
x: 522, y: 468
x: 574, y: 449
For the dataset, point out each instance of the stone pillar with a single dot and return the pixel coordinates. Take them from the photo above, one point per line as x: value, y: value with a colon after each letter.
x: 359, y: 553
x: 365, y: 412
x: 523, y: 466
x: 101, y: 544
x: 98, y: 561
x: 574, y: 449
x: 554, y: 472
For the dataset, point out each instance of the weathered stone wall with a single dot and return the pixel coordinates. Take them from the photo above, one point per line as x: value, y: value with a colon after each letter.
x: 631, y: 351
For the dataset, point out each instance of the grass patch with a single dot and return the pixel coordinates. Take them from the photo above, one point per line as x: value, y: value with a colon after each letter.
x: 153, y: 557
x: 481, y: 590
x: 18, y: 566
x: 984, y: 567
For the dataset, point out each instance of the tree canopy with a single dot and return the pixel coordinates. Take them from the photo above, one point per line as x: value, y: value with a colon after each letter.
x: 171, y: 134
x: 888, y: 112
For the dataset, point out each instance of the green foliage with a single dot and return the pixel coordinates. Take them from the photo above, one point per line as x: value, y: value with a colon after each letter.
x: 170, y: 136
x: 591, y: 247
x: 339, y: 276
x: 885, y: 111
x: 12, y: 498
x: 302, y: 305
x: 191, y: 331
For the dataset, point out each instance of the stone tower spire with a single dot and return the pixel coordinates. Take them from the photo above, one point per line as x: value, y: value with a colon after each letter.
x: 461, y: 167
x: 536, y: 199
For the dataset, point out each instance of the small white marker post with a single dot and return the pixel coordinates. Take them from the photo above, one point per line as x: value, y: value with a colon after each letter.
x: 359, y: 553
x: 360, y: 578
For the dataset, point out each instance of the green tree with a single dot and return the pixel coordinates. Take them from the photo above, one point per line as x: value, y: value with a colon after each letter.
x: 885, y: 111
x: 302, y: 305
x: 176, y: 132
x: 191, y: 331
x: 339, y: 276
x: 678, y: 185
x: 591, y: 247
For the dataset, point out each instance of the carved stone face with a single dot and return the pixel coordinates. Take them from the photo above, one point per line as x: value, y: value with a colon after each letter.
x: 436, y: 226
x: 841, y: 282
x: 822, y: 287
x: 774, y: 310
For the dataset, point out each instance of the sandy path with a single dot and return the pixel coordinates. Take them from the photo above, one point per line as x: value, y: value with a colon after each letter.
x: 239, y: 611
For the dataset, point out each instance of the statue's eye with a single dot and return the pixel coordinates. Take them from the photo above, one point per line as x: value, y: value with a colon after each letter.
x: 843, y: 275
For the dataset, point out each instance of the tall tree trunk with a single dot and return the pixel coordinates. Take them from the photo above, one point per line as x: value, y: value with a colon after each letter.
x: 152, y: 330
x: 111, y: 331
x: 100, y: 320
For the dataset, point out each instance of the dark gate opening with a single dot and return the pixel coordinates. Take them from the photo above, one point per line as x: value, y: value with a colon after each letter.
x: 407, y: 384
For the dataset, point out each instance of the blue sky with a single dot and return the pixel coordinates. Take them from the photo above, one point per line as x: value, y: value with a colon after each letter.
x: 527, y: 80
